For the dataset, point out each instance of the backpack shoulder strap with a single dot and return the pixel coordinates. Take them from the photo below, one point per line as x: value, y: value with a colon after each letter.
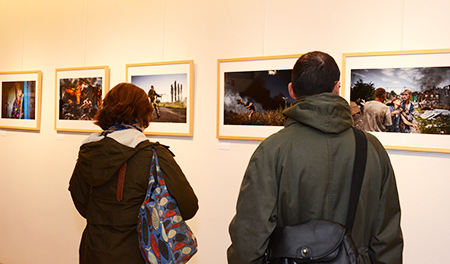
x: 359, y: 167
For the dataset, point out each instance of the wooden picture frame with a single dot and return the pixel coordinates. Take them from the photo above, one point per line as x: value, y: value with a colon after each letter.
x: 21, y: 100
x: 426, y: 73
x: 79, y: 94
x: 173, y: 97
x: 251, y: 95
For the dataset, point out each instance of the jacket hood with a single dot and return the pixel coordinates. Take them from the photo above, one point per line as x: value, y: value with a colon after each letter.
x: 101, y: 157
x: 327, y: 112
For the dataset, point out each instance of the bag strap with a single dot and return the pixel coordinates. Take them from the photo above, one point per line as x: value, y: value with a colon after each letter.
x: 359, y: 168
x: 121, y: 179
x: 157, y: 174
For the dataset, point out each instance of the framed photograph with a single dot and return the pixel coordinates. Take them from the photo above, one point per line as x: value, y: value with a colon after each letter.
x: 79, y: 94
x: 417, y: 85
x: 21, y: 100
x: 170, y: 89
x: 252, y: 94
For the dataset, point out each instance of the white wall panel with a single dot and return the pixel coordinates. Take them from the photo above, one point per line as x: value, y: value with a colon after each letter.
x: 332, y: 26
x: 426, y: 25
x: 11, y: 42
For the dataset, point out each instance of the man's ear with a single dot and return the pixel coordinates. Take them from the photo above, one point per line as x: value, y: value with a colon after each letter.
x: 336, y: 88
x: 291, y: 91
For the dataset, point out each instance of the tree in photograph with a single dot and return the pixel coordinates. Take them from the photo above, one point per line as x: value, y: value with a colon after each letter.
x: 362, y: 90
x: 181, y: 91
x: 175, y: 91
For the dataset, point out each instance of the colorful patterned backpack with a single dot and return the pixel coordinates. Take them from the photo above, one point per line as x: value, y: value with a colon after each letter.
x: 164, y: 237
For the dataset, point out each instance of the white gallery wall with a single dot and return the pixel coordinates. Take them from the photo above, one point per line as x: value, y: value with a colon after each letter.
x: 38, y: 222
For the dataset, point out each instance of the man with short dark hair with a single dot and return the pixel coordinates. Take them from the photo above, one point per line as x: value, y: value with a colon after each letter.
x: 377, y: 115
x: 304, y: 172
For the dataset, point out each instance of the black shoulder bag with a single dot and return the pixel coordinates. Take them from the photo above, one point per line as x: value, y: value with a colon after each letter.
x: 322, y: 241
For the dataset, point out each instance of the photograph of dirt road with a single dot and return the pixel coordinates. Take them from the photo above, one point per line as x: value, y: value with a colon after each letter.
x: 165, y: 92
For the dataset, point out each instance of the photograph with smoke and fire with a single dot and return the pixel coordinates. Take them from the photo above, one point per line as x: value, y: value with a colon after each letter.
x: 79, y: 94
x: 256, y: 97
x: 418, y: 98
x: 79, y: 98
x: 252, y: 95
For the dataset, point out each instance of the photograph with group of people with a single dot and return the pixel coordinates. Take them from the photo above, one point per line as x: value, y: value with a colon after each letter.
x: 403, y: 100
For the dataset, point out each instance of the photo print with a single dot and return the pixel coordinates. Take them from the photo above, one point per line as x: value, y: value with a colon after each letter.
x: 256, y: 97
x: 422, y: 93
x: 170, y: 89
x: 252, y: 95
x: 79, y: 94
x: 80, y: 98
x: 168, y: 94
x: 20, y: 94
x: 19, y: 99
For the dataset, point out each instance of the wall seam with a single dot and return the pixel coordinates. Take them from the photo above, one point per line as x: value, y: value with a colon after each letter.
x: 23, y: 36
x: 85, y: 31
x: 163, y: 29
x: 403, y: 25
x: 263, y: 27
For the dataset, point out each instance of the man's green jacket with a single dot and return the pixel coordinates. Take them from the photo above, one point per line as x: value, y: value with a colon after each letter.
x: 304, y: 172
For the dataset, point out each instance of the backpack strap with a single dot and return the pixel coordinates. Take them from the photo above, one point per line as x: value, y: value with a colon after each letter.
x: 359, y: 167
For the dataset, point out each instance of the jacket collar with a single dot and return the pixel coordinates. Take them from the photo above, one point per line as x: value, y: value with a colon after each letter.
x: 128, y: 137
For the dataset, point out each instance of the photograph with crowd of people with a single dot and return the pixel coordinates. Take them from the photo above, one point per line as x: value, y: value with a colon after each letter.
x: 401, y: 100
